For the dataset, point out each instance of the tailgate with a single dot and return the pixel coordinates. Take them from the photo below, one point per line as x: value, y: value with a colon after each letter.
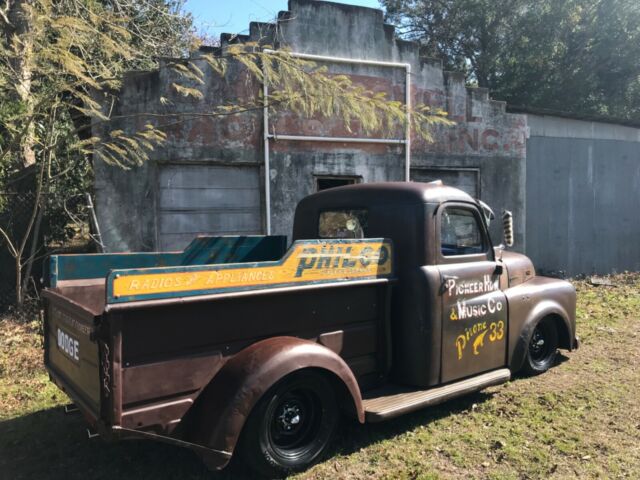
x: 71, y: 356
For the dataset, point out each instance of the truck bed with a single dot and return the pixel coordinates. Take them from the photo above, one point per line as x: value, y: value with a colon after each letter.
x: 110, y: 340
x: 82, y: 279
x: 88, y: 294
x: 76, y: 304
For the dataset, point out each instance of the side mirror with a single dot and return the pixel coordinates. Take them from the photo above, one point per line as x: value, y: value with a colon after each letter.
x: 507, y: 223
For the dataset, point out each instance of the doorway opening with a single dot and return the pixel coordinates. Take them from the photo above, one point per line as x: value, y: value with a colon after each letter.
x: 326, y: 182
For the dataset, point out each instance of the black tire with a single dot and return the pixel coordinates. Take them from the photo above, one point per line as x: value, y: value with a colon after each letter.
x: 542, y: 348
x: 291, y: 426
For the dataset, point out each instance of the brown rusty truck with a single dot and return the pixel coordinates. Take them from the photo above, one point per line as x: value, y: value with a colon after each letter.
x: 391, y: 298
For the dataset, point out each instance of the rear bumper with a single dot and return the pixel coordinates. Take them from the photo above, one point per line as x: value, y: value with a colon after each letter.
x: 213, y: 459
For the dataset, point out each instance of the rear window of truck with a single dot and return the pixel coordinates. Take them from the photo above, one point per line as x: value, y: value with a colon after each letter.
x: 343, y: 224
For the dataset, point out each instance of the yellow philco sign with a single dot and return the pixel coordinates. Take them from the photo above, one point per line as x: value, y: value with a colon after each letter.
x: 306, y: 262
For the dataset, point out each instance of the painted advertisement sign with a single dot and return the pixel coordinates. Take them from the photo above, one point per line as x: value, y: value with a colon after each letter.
x: 306, y: 262
x: 475, y: 324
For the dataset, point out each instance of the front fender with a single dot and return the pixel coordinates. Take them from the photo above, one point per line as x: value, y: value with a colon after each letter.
x: 530, y: 302
x: 227, y: 401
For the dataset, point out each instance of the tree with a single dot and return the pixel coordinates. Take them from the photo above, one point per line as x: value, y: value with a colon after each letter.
x: 580, y: 56
x: 17, y: 33
x: 468, y: 35
x: 61, y: 59
x: 54, y: 57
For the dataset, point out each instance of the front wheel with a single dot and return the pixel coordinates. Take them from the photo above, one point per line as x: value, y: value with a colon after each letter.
x: 291, y: 426
x: 543, y: 347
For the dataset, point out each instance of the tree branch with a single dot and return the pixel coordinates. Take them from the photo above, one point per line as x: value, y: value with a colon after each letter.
x: 12, y: 248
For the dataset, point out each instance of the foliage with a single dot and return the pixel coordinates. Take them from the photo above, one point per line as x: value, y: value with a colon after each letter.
x: 67, y: 52
x: 158, y: 28
x: 56, y: 57
x: 72, y: 52
x: 581, y: 56
x: 61, y: 68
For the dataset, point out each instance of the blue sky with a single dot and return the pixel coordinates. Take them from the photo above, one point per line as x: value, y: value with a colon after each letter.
x: 233, y: 16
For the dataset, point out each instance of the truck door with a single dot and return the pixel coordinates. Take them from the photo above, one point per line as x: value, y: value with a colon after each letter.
x: 474, y: 309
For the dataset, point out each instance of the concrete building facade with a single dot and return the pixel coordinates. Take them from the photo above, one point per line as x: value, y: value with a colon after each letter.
x: 573, y: 185
x: 209, y: 177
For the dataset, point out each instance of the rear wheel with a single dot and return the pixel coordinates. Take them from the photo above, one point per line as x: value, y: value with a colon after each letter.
x: 291, y: 426
x: 543, y: 347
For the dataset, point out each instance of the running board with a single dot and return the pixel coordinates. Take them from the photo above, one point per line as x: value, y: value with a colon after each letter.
x: 392, y: 401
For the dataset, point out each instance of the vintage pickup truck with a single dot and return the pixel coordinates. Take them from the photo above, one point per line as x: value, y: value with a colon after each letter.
x: 391, y: 298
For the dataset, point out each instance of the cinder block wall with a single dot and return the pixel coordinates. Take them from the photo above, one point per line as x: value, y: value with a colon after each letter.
x: 153, y: 207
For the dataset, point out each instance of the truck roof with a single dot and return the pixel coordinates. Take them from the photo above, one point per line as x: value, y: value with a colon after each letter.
x: 387, y: 193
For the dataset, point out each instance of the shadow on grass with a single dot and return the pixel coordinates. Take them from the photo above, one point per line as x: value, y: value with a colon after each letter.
x: 355, y: 436
x: 560, y: 359
x: 52, y: 445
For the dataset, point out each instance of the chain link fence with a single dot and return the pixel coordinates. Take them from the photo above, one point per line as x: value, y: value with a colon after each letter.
x: 29, y: 234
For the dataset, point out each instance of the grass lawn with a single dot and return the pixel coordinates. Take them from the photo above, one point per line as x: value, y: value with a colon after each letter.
x: 581, y: 419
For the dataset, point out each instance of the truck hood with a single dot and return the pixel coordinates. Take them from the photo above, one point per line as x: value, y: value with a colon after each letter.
x: 519, y: 267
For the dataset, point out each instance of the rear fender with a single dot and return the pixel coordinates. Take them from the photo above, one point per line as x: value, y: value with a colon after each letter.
x: 225, y: 404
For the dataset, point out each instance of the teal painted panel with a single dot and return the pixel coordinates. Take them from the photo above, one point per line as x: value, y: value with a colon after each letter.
x: 203, y: 250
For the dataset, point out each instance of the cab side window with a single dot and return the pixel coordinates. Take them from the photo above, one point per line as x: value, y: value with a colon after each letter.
x: 460, y: 232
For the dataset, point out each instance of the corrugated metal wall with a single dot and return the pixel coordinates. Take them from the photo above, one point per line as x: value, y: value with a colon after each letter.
x: 583, y: 196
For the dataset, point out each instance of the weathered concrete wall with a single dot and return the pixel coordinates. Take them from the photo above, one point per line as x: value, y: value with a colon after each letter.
x: 485, y: 137
x: 127, y: 201
x: 583, y: 196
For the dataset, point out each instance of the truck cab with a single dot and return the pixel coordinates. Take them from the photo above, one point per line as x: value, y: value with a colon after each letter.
x: 392, y: 297
x: 454, y: 313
